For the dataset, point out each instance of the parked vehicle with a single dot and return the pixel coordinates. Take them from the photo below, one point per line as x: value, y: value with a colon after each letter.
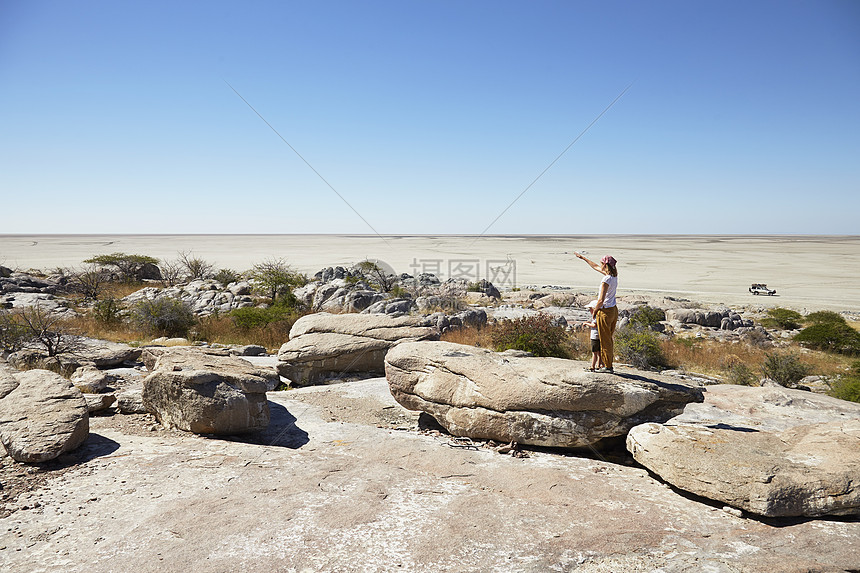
x: 761, y: 288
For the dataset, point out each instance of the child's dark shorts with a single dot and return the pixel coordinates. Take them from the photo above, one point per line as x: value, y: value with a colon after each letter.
x: 595, y: 345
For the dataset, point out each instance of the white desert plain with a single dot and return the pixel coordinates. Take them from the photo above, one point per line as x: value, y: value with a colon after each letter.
x: 808, y: 271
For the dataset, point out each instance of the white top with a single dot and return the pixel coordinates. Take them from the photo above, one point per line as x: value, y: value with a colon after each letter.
x: 611, y: 285
x: 594, y: 333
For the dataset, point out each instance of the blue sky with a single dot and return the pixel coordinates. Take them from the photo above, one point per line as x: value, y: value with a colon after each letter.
x: 430, y: 117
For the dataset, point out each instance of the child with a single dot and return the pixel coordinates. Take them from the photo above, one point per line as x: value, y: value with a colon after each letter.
x: 596, y: 361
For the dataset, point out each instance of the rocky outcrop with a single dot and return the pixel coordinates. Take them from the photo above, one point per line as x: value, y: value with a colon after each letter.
x: 17, y: 282
x: 540, y: 401
x: 724, y: 318
x: 204, y: 297
x: 770, y: 451
x: 322, y: 344
x: 206, y: 393
x: 42, y: 415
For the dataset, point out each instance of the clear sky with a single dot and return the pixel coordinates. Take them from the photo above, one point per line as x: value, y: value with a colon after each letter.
x: 430, y: 117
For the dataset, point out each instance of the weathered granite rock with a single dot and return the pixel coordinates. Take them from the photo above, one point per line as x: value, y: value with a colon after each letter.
x: 42, y: 415
x: 722, y: 318
x: 216, y: 359
x: 322, y: 344
x: 540, y: 401
x: 770, y: 451
x: 130, y: 401
x: 99, y: 402
x: 208, y: 394
x: 90, y: 380
x: 204, y: 297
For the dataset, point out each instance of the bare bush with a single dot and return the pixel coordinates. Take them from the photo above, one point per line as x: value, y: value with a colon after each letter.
x: 195, y: 267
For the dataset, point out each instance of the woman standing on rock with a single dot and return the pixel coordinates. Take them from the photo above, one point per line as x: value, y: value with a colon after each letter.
x: 605, y: 312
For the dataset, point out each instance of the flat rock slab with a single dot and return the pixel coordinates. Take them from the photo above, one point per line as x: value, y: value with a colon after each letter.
x: 232, y: 368
x: 539, y: 401
x: 771, y: 451
x: 333, y: 494
x: 322, y: 345
x: 42, y: 415
x: 208, y: 394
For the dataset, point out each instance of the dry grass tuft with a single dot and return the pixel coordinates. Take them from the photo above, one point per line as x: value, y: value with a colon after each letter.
x: 223, y: 330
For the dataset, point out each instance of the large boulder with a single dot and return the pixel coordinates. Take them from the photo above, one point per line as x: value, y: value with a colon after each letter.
x: 322, y: 344
x: 208, y: 394
x: 42, y: 415
x: 540, y: 401
x: 770, y: 451
x: 91, y: 380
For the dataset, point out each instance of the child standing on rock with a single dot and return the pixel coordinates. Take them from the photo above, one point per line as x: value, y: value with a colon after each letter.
x: 596, y: 361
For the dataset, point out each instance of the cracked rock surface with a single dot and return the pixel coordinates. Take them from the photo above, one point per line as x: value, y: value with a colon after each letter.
x: 551, y: 402
x: 771, y: 451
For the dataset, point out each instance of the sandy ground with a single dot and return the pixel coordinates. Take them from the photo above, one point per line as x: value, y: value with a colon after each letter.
x: 346, y: 480
x: 809, y: 272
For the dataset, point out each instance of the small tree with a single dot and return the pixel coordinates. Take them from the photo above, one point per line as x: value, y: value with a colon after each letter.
x: 46, y: 329
x: 129, y: 267
x: 171, y: 272
x: 276, y: 279
x: 89, y: 281
x: 376, y: 275
x: 195, y: 267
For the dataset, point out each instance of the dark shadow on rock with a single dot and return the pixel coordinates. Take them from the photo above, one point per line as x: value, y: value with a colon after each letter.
x: 428, y: 422
x: 723, y: 426
x: 94, y: 447
x: 660, y: 383
x: 282, y: 431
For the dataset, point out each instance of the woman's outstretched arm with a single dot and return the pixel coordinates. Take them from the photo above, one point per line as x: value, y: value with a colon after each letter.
x: 593, y: 265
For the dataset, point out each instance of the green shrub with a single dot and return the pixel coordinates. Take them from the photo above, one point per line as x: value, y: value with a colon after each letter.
x: 108, y: 311
x: 398, y: 291
x: 784, y: 369
x: 740, y: 374
x: 13, y: 333
x: 828, y: 331
x: 473, y: 287
x: 640, y: 348
x: 253, y: 317
x: 783, y: 318
x: 227, y: 276
x: 646, y: 317
x: 823, y: 317
x: 847, y: 386
x: 537, y: 334
x: 163, y: 316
